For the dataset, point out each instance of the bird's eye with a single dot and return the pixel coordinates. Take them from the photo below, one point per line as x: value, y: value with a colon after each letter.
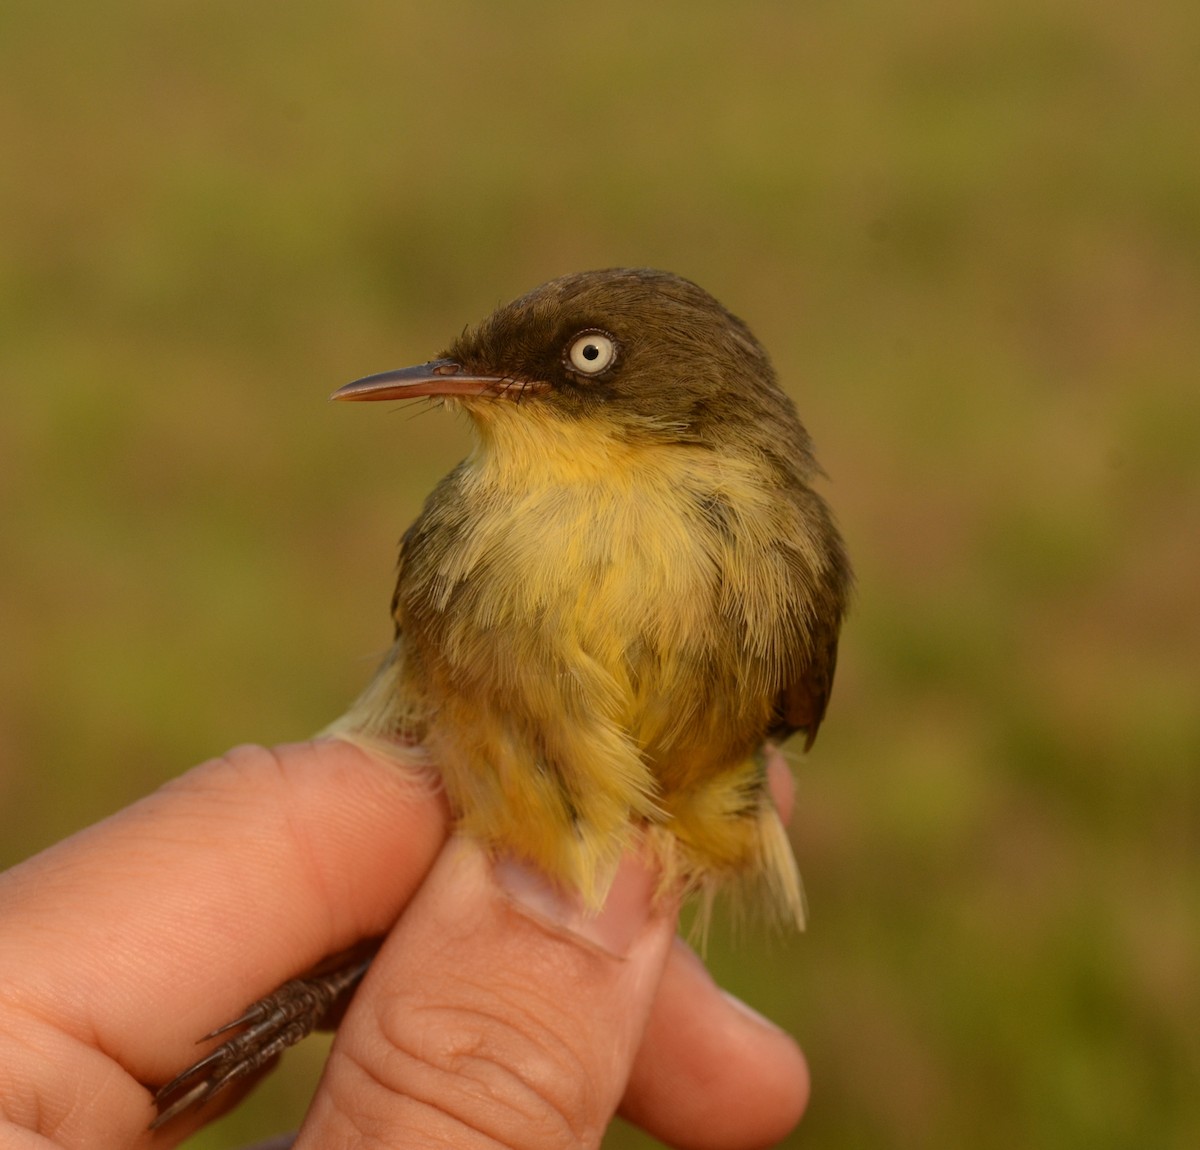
x: 591, y: 352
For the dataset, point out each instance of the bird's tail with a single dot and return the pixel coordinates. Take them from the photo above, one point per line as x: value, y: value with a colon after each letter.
x: 727, y: 838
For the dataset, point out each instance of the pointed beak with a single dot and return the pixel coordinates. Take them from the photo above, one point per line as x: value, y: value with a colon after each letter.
x: 437, y: 377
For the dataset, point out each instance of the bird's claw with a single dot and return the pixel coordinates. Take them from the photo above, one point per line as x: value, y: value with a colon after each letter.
x: 271, y: 1025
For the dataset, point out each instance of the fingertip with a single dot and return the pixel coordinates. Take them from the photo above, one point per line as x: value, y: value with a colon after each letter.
x: 780, y: 782
x: 712, y: 1073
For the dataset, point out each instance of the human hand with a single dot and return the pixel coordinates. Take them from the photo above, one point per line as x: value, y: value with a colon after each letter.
x: 493, y: 1014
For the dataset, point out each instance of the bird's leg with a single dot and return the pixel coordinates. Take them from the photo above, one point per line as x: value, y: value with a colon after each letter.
x: 267, y: 1028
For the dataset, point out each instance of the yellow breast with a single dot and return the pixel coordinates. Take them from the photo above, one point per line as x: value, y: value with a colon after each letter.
x: 590, y: 636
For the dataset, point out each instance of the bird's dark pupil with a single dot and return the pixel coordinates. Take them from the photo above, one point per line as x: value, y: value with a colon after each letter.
x: 591, y: 351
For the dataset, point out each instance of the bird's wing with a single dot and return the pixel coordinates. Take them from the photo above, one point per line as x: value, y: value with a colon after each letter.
x: 800, y: 705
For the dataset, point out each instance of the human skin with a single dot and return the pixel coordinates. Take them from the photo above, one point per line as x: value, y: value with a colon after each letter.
x: 495, y: 1014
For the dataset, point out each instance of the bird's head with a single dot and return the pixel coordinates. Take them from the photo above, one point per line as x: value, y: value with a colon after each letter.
x: 633, y: 353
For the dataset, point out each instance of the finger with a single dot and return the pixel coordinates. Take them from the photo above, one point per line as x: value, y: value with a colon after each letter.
x: 161, y: 922
x: 780, y: 782
x: 495, y: 1014
x: 711, y: 1074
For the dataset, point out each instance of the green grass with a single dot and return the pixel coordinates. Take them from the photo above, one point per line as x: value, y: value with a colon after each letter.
x: 970, y: 236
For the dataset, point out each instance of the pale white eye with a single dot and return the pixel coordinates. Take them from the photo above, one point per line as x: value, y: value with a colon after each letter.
x: 591, y: 352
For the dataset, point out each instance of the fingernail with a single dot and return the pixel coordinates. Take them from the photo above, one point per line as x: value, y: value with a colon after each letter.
x: 614, y: 927
x: 688, y: 955
x: 750, y: 1012
x: 533, y: 891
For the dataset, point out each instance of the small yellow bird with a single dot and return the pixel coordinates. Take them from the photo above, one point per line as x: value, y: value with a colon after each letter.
x: 625, y: 589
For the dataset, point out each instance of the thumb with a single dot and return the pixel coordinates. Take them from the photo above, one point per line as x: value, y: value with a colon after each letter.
x: 497, y: 1013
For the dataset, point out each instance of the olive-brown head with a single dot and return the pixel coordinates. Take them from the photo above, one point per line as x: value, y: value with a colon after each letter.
x: 644, y: 353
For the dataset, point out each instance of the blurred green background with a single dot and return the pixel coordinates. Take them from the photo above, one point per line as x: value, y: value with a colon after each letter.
x: 970, y: 236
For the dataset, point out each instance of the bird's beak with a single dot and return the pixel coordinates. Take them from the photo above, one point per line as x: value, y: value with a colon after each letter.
x: 437, y: 377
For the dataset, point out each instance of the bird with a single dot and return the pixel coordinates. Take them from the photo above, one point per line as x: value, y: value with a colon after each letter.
x: 606, y: 612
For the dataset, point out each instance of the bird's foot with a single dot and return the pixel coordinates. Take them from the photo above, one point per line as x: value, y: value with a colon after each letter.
x: 271, y: 1025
